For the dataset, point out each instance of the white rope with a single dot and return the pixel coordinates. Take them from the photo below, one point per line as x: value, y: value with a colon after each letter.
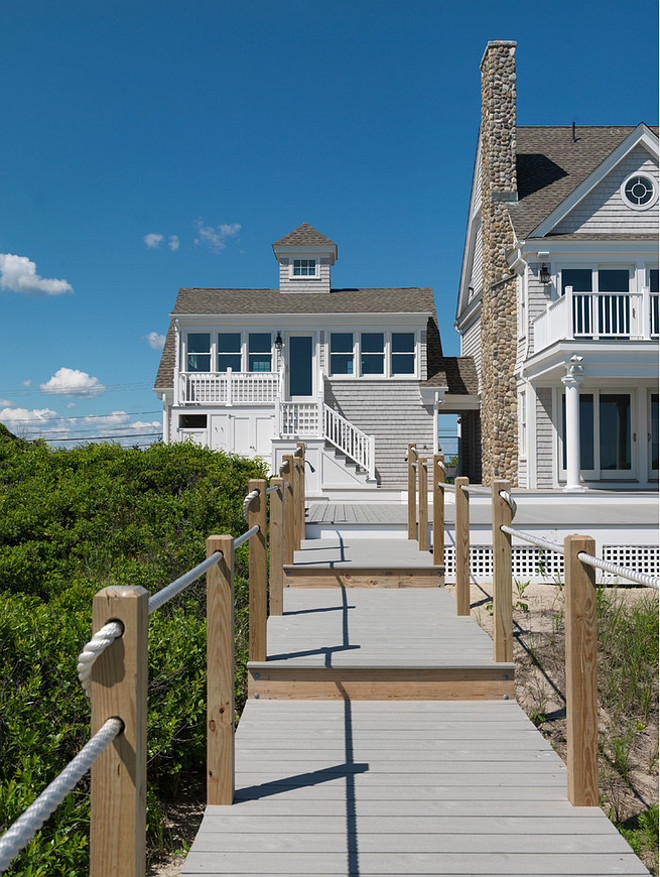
x: 97, y: 644
x: 442, y: 465
x: 161, y: 597
x: 246, y: 503
x: 640, y: 578
x: 536, y: 540
x: 27, y: 825
x: 506, y: 496
x: 272, y: 489
x: 284, y: 467
x: 447, y: 485
x: 245, y: 536
x: 473, y: 488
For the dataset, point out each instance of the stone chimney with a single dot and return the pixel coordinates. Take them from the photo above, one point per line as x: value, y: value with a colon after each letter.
x: 499, y: 417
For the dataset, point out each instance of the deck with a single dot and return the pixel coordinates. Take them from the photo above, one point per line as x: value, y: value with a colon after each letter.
x: 380, y: 738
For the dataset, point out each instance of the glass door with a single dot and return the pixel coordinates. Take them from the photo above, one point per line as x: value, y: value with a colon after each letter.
x: 300, y: 364
x: 614, y: 416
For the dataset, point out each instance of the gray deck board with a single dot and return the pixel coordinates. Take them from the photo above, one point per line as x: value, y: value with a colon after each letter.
x: 317, y: 796
x: 343, y: 551
x: 365, y: 627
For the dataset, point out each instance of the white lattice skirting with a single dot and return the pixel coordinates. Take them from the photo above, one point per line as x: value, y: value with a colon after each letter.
x: 534, y: 564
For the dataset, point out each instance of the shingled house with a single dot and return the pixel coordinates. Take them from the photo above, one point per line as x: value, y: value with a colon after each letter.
x: 558, y: 299
x: 355, y: 373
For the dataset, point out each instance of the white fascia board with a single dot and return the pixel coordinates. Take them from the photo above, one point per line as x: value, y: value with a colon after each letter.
x: 640, y: 136
x: 474, y: 217
x: 313, y: 322
x: 558, y: 249
x: 468, y: 316
x: 614, y: 360
x: 317, y: 251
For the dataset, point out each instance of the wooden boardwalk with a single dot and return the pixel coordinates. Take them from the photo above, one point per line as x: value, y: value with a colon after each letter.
x: 380, y: 738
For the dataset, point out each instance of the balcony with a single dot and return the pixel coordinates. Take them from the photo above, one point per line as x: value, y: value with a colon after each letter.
x: 227, y: 388
x: 598, y: 316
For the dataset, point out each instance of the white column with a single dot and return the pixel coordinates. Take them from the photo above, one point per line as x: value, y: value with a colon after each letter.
x: 571, y: 382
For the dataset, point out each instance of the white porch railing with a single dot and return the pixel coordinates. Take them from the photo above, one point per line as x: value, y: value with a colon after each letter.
x: 598, y: 316
x: 229, y: 388
x: 318, y: 420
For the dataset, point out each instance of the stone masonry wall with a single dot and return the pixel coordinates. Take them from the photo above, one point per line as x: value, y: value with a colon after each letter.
x: 499, y: 426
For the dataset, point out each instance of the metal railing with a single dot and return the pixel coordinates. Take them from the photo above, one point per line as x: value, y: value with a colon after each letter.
x: 113, y: 670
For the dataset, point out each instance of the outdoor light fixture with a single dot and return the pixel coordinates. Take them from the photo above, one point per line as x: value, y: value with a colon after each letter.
x: 544, y: 275
x: 279, y: 344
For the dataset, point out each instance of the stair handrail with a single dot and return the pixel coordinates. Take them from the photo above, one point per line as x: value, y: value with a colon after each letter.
x: 365, y: 442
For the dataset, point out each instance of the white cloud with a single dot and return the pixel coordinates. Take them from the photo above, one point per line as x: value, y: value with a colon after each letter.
x: 20, y: 420
x: 26, y: 382
x: 155, y: 340
x: 71, y: 382
x: 216, y: 238
x: 19, y: 274
x: 153, y: 240
x: 173, y: 242
x: 5, y: 403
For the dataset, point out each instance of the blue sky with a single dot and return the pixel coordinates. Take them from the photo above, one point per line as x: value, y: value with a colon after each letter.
x: 211, y: 129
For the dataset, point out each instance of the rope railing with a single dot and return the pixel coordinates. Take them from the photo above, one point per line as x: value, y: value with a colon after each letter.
x: 31, y: 821
x: 125, y: 695
x: 476, y: 488
x: 640, y: 578
x: 535, y: 540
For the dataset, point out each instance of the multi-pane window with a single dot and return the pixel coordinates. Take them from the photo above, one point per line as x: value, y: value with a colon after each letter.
x: 341, y: 353
x: 304, y: 267
x: 372, y: 353
x: 609, y: 316
x: 229, y: 351
x: 259, y: 352
x: 199, y: 352
x: 403, y: 353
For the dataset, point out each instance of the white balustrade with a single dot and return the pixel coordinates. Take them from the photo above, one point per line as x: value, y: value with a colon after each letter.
x: 597, y: 316
x: 229, y: 388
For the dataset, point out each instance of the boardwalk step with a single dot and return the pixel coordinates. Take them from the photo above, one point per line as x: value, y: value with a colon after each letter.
x: 364, y: 577
x: 493, y: 682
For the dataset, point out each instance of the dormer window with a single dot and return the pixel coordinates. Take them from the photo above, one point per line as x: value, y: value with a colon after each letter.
x: 304, y: 267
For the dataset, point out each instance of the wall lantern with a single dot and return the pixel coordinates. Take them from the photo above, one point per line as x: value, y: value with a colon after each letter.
x: 544, y: 275
x: 279, y: 344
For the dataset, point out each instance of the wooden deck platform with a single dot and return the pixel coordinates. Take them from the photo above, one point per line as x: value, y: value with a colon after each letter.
x: 380, y: 738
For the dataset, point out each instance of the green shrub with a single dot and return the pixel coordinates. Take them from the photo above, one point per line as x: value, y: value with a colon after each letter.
x: 71, y: 523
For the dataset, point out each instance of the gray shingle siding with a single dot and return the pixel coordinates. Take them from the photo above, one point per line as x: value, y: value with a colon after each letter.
x: 393, y: 412
x: 544, y: 434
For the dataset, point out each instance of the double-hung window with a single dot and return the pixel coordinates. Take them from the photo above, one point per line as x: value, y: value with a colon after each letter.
x: 229, y: 351
x: 372, y: 353
x: 342, y: 358
x: 198, y: 353
x: 259, y: 352
x: 403, y: 353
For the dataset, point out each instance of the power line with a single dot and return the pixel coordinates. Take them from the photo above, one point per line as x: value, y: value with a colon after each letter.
x: 83, y: 416
x: 80, y: 438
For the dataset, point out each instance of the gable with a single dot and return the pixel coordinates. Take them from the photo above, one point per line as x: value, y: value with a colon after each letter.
x: 603, y: 210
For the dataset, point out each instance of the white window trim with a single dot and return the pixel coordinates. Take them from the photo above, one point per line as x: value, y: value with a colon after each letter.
x: 244, y: 352
x: 639, y: 207
x: 387, y: 353
x: 298, y: 277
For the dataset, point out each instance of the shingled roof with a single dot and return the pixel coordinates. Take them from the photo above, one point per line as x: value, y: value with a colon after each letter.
x: 305, y: 236
x: 399, y: 300
x: 550, y: 166
x: 457, y: 373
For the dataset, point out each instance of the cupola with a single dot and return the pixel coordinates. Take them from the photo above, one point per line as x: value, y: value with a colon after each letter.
x: 305, y: 257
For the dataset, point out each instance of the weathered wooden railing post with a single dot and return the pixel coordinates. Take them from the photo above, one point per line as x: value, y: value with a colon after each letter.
x: 502, y: 574
x: 295, y: 480
x: 119, y: 775
x: 276, y: 546
x: 438, y: 492
x: 462, y: 546
x: 257, y: 566
x: 581, y: 673
x: 412, y: 492
x: 220, y: 673
x: 289, y: 509
x: 423, y: 477
x: 301, y: 492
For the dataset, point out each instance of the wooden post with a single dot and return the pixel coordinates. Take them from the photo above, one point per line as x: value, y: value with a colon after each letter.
x: 581, y: 675
x: 438, y: 491
x: 275, y: 546
x: 289, y: 510
x: 412, y: 493
x: 295, y: 480
x: 220, y: 669
x: 423, y: 534
x: 462, y: 546
x: 257, y: 567
x: 301, y: 493
x: 502, y: 575
x: 119, y: 775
